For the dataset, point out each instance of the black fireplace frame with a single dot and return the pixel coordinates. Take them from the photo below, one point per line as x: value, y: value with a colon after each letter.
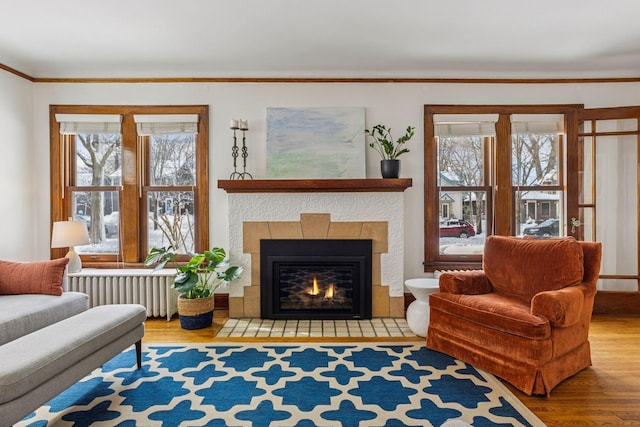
x: 321, y: 251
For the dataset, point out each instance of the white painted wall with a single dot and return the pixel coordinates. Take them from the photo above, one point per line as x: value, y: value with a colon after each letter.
x: 18, y: 195
x: 394, y: 104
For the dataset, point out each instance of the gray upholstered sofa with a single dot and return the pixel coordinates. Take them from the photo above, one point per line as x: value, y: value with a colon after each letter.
x: 49, y: 342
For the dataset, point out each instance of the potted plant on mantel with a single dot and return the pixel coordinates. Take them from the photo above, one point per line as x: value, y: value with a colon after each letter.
x: 196, y: 282
x: 389, y: 150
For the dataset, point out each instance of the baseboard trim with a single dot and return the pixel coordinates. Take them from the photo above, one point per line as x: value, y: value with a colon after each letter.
x: 616, y: 302
x: 221, y: 301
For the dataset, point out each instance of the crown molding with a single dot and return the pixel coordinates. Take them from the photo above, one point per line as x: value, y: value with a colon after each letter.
x: 337, y: 80
x: 317, y: 79
x: 16, y: 72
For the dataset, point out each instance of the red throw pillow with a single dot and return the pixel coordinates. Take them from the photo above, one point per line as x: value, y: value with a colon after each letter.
x: 39, y: 277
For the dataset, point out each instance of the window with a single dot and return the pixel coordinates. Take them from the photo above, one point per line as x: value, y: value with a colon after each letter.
x: 608, y: 205
x: 136, y: 175
x: 444, y: 209
x: 463, y: 150
x: 493, y: 170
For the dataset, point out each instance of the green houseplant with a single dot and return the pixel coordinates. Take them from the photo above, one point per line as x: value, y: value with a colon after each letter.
x: 196, y: 281
x: 389, y: 149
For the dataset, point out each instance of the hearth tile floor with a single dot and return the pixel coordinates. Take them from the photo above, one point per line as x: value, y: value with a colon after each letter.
x: 256, y: 328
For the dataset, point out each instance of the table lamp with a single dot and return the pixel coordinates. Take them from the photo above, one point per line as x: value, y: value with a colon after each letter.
x: 69, y: 234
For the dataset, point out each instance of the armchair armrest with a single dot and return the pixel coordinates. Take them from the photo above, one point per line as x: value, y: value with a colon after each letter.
x: 562, y: 307
x: 470, y: 282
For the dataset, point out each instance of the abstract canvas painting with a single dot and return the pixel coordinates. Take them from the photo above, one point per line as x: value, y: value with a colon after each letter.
x: 315, y: 143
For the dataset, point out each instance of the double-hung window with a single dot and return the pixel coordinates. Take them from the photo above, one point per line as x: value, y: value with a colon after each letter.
x: 137, y: 176
x: 495, y: 170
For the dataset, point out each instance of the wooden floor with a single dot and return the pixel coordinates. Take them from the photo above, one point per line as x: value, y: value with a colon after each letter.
x: 607, y: 394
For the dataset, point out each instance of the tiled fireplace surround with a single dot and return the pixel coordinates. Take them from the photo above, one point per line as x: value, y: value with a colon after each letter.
x: 377, y: 215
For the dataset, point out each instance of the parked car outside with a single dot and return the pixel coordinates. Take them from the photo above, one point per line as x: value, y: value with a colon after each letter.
x: 548, y: 228
x: 456, y: 228
x: 111, y: 222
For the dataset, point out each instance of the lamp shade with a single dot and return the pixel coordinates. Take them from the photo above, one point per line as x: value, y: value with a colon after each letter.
x: 69, y: 233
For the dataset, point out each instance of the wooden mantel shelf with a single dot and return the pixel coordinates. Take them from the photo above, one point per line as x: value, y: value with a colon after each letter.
x: 314, y: 185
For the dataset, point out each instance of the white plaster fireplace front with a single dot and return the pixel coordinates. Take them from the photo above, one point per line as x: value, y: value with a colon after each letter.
x: 311, y: 213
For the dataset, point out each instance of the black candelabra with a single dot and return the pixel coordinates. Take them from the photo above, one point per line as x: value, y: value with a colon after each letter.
x: 236, y: 151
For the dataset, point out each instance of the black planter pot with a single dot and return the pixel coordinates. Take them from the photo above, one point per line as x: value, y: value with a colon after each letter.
x: 390, y: 168
x: 198, y: 321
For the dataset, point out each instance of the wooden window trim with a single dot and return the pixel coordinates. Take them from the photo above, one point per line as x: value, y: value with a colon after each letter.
x: 131, y: 250
x: 502, y: 201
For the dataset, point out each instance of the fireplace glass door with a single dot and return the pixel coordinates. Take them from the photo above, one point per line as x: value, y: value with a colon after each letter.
x: 315, y: 279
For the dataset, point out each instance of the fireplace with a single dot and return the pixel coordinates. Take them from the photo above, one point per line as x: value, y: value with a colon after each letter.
x: 315, y: 279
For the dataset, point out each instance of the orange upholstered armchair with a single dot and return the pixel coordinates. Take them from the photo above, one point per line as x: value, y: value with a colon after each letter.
x: 525, y: 316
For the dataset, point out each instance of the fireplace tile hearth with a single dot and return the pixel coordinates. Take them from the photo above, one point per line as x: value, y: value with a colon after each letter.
x: 267, y: 328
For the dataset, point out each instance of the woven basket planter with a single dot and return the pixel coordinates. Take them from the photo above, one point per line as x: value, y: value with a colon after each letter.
x: 195, y: 313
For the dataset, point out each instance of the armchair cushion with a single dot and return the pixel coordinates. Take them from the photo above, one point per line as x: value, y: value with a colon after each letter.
x: 526, y: 267
x: 500, y: 312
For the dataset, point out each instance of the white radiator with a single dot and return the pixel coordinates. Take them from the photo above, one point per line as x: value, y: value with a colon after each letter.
x: 437, y: 273
x: 135, y: 286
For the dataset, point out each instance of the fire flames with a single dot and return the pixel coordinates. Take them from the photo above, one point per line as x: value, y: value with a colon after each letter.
x: 328, y: 294
x: 315, y: 290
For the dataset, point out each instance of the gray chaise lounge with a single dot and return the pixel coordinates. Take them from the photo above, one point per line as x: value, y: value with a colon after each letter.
x: 49, y: 339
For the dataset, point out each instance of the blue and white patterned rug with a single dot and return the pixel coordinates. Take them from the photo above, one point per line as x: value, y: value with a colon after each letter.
x: 250, y: 384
